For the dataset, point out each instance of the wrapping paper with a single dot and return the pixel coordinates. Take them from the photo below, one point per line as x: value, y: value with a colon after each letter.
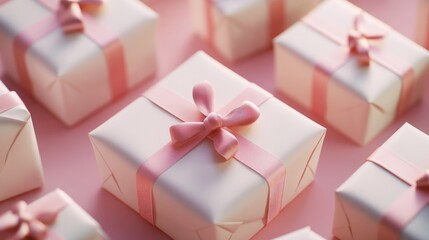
x: 68, y: 71
x: 422, y: 23
x: 366, y: 197
x: 236, y: 22
x: 201, y: 196
x: 20, y: 165
x: 360, y: 100
x: 301, y: 234
x: 70, y: 221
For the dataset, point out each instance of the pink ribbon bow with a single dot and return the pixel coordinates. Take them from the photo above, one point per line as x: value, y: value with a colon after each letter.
x: 20, y: 223
x: 214, y: 125
x: 423, y: 181
x: 70, y: 13
x: 359, y: 41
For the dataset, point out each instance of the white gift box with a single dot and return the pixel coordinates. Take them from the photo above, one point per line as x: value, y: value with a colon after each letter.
x: 301, y: 234
x: 201, y: 196
x: 422, y: 23
x: 20, y: 165
x: 240, y: 28
x: 357, y: 99
x: 70, y: 221
x: 71, y: 73
x: 373, y: 193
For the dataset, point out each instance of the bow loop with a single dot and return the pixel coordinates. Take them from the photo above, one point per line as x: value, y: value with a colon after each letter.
x: 225, y: 143
x: 20, y: 222
x: 71, y: 16
x: 203, y: 97
x: 423, y: 181
x: 359, y: 40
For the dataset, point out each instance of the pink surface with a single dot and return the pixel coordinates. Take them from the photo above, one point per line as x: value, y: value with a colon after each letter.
x: 69, y: 162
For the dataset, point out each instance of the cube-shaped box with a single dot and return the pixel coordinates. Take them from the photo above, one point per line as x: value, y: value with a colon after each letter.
x: 57, y: 213
x: 301, y: 234
x: 20, y: 165
x: 239, y: 28
x: 422, y: 23
x: 71, y: 64
x: 202, y: 195
x: 388, y: 196
x: 350, y: 69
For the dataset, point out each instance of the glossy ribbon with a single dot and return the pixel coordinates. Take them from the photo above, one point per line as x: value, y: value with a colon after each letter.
x: 9, y: 100
x: 359, y: 44
x: 32, y: 221
x: 225, y: 143
x: 70, y: 13
x: 404, y: 209
x: 276, y: 19
x: 108, y: 41
x: 248, y: 153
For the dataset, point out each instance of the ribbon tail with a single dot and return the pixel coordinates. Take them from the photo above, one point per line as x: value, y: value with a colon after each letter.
x: 186, y: 131
x: 7, y: 221
x: 225, y: 143
x: 71, y: 18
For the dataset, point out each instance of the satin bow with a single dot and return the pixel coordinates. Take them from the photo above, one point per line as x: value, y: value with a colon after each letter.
x: 359, y: 41
x: 20, y: 223
x: 423, y: 181
x: 70, y: 13
x: 214, y: 124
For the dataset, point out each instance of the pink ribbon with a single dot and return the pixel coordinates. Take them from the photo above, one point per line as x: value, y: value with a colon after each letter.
x: 359, y: 44
x: 225, y: 143
x: 206, y: 123
x: 70, y: 13
x: 8, y: 101
x: 31, y: 221
x: 276, y: 18
x: 404, y: 209
x: 67, y: 17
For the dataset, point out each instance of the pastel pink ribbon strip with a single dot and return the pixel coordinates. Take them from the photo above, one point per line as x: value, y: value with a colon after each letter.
x: 364, y: 46
x: 404, y: 209
x: 276, y: 15
x: 204, y: 123
x: 69, y: 15
x: 9, y: 100
x: 32, y: 221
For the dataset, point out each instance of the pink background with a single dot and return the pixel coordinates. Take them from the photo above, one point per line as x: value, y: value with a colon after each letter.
x: 69, y: 162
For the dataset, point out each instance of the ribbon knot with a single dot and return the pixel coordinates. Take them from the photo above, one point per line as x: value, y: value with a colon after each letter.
x: 21, y: 223
x: 214, y: 124
x: 359, y: 42
x: 423, y: 181
x: 71, y: 16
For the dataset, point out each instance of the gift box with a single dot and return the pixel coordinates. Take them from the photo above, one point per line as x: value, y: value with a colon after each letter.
x: 223, y: 176
x: 20, y: 165
x: 350, y: 69
x: 76, y: 56
x: 301, y: 234
x: 237, y: 29
x: 422, y: 23
x: 53, y: 216
x: 388, y: 196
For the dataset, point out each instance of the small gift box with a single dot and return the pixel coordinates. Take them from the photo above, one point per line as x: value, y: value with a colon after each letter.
x: 53, y: 216
x: 422, y: 23
x: 388, y: 196
x: 301, y: 234
x: 20, y: 165
x: 205, y: 154
x: 350, y: 69
x: 75, y: 56
x: 240, y: 28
